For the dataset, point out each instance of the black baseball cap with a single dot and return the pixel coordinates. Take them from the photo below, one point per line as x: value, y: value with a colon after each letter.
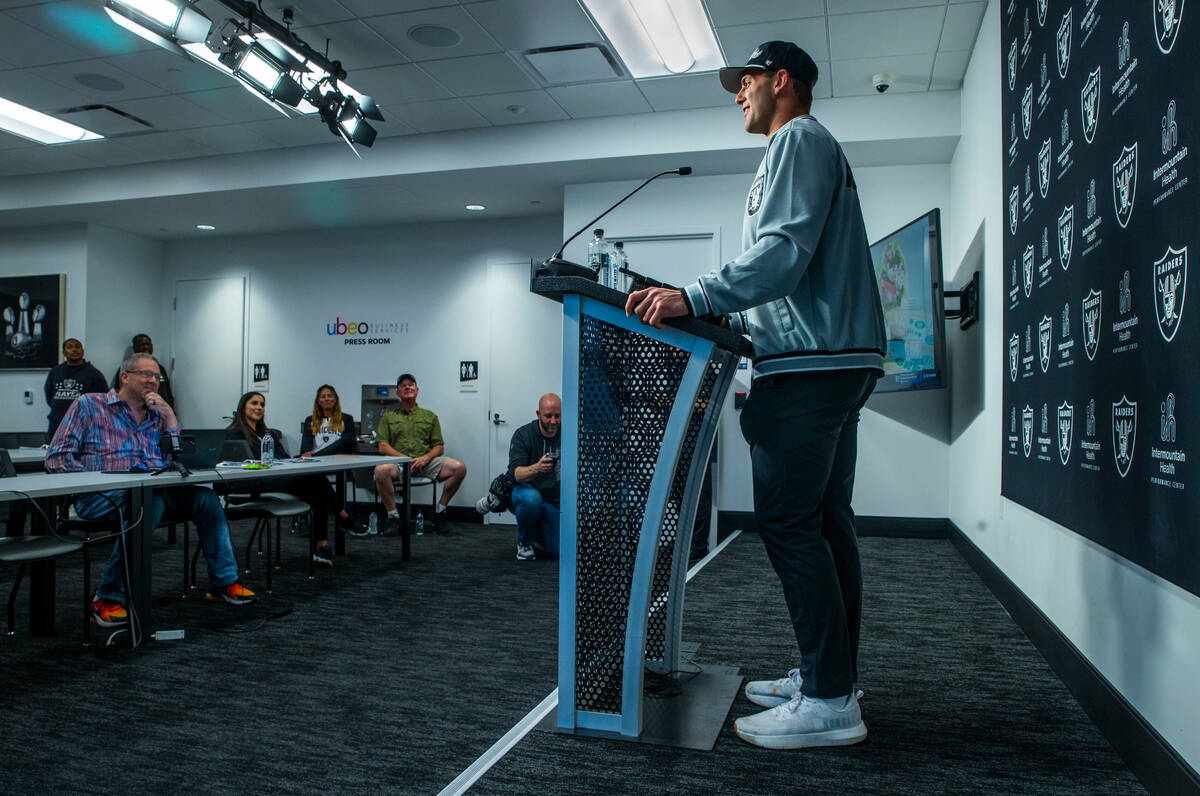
x: 769, y: 56
x: 404, y: 376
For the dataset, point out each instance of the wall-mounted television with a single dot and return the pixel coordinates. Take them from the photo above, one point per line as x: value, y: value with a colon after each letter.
x: 908, y: 270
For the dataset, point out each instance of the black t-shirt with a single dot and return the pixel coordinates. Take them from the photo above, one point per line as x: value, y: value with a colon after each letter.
x: 527, y: 447
x: 65, y: 383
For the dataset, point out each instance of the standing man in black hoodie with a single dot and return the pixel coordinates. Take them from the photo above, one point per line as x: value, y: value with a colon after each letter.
x: 68, y: 381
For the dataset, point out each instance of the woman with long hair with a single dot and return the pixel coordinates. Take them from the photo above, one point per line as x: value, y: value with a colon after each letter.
x: 249, y: 423
x: 328, y: 429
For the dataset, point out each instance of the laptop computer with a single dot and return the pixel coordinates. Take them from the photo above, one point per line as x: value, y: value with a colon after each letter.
x: 209, y: 442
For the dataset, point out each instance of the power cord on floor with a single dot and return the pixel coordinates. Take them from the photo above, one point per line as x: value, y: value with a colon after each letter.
x: 665, y: 685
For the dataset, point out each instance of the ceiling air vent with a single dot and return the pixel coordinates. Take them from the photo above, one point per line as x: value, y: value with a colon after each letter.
x: 105, y: 120
x: 574, y: 63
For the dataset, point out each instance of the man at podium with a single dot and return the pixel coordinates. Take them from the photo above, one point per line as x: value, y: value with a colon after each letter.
x: 804, y: 289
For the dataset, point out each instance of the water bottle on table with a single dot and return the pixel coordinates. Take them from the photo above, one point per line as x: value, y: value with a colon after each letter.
x: 267, y: 454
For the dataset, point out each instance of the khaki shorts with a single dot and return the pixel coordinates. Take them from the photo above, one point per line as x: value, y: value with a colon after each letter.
x: 432, y: 470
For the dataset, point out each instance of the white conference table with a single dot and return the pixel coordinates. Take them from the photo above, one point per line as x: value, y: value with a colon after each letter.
x: 141, y: 487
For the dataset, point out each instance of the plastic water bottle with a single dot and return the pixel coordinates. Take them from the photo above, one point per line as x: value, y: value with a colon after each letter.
x: 373, y: 524
x: 618, y: 281
x: 599, y: 256
x: 420, y: 524
x: 267, y: 455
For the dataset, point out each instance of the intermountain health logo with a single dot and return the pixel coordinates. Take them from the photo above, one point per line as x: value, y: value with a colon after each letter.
x: 1027, y: 429
x: 1124, y: 427
x: 1089, y: 103
x: 1124, y: 170
x: 1014, y: 356
x: 1064, y: 44
x: 1170, y: 289
x: 1168, y: 15
x: 1066, y: 235
x: 1066, y: 423
x: 1091, y: 323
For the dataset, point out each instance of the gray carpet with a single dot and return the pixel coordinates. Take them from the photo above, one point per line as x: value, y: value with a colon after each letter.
x: 393, y: 677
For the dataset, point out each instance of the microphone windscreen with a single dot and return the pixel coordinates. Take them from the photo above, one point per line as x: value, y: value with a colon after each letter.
x: 685, y: 171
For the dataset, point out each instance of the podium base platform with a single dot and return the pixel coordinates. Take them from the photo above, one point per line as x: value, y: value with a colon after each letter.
x: 691, y: 719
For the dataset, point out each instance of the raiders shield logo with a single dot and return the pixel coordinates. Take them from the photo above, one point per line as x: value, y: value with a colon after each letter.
x: 1044, y: 168
x: 1170, y: 286
x: 1042, y: 7
x: 1014, y: 200
x: 1044, y: 329
x: 1066, y: 422
x: 1027, y: 111
x: 1124, y: 170
x: 1124, y: 428
x: 1168, y: 14
x: 1027, y: 268
x: 1066, y: 235
x: 1089, y: 102
x: 1091, y: 323
x: 1014, y: 356
x: 1064, y: 44
x: 1027, y: 429
x: 754, y: 200
x: 1012, y: 66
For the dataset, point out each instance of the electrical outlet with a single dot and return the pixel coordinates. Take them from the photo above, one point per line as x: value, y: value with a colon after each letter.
x: 28, y: 395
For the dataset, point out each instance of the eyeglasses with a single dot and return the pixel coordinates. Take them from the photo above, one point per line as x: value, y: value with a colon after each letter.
x: 145, y: 374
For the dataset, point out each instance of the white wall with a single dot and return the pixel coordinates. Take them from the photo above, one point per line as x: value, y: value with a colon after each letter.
x: 43, y: 250
x: 431, y: 277
x: 1140, y: 632
x: 902, y: 472
x: 124, y: 287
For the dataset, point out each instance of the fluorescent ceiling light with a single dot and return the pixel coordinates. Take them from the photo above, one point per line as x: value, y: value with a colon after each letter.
x: 476, y: 208
x: 659, y: 37
x: 205, y: 227
x: 37, y: 126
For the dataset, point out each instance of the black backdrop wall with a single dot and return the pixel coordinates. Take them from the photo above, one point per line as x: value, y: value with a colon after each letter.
x: 1102, y: 377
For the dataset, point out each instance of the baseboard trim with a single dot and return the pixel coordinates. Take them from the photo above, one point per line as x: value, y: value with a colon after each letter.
x: 1153, y: 761
x: 898, y: 527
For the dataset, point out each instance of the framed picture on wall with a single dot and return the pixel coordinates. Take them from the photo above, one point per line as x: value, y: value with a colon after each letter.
x: 32, y: 309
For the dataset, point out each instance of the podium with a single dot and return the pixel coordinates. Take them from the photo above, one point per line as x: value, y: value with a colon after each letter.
x: 640, y: 412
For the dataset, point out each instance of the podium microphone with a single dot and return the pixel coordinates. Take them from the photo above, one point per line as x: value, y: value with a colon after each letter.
x: 557, y: 266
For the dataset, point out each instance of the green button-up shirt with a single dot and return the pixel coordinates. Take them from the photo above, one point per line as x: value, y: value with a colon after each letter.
x: 413, y: 433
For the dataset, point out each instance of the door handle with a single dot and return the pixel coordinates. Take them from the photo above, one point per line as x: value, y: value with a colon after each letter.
x: 497, y: 421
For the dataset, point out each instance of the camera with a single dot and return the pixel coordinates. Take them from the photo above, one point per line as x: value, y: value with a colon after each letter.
x: 882, y: 82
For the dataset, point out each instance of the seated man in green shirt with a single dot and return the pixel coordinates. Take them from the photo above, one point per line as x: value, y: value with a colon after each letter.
x: 409, y: 430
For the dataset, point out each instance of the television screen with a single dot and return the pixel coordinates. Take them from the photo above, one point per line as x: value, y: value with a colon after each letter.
x: 908, y: 269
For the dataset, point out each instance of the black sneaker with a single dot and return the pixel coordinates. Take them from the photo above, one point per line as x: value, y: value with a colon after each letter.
x: 352, y: 526
x: 323, y: 555
x: 438, y: 522
x: 390, y: 527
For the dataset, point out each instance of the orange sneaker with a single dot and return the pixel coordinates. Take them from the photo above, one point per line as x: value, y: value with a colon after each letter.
x: 233, y: 593
x: 107, y: 613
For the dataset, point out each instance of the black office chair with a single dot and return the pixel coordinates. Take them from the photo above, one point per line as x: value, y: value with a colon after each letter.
x: 15, y: 548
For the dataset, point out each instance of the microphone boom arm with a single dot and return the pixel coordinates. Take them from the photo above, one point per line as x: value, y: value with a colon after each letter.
x: 682, y: 171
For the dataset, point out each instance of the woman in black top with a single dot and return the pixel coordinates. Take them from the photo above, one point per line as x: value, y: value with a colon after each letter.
x: 327, y: 430
x: 249, y: 423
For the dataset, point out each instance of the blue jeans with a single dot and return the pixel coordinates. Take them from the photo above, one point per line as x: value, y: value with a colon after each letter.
x: 194, y: 503
x: 537, y: 520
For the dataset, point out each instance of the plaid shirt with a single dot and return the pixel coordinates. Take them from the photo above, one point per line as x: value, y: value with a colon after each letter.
x: 100, y: 433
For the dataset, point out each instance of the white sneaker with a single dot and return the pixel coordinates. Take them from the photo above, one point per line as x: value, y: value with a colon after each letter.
x: 525, y: 552
x: 804, y: 722
x: 770, y: 693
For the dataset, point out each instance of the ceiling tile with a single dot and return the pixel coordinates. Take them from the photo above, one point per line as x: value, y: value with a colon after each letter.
x: 474, y: 41
x: 18, y: 85
x: 65, y: 75
x: 167, y: 146
x: 600, y: 99
x: 529, y: 24
x: 685, y: 91
x: 740, y: 40
x: 82, y: 24
x: 353, y: 43
x: 309, y: 12
x: 533, y: 106
x: 479, y: 74
x: 885, y: 33
x: 439, y: 115
x: 231, y: 138
x: 170, y: 72
x: 10, y: 141
x: 290, y: 132
x: 40, y: 159
x: 739, y: 12
x: 169, y: 113
x: 230, y: 104
x: 853, y: 77
x: 866, y: 6
x: 397, y: 85
x: 962, y: 25
x: 26, y: 46
x: 372, y: 8
x: 948, y: 70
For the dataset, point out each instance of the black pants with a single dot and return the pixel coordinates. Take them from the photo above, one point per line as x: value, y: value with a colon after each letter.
x: 312, y: 488
x: 803, y: 435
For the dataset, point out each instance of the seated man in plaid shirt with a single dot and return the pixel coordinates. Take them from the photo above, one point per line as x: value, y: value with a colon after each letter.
x: 118, y: 431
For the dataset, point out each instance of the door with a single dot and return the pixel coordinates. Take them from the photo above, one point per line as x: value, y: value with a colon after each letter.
x: 525, y: 331
x: 208, y: 350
